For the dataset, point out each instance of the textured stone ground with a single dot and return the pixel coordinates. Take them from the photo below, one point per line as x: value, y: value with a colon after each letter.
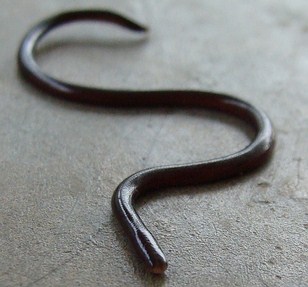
x: 60, y: 162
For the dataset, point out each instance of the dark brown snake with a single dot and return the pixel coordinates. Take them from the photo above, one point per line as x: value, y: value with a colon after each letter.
x: 251, y: 157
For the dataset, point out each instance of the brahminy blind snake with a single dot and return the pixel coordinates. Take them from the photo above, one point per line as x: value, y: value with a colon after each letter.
x: 252, y: 156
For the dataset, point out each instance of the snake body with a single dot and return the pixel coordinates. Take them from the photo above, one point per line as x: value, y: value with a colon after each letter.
x: 251, y: 157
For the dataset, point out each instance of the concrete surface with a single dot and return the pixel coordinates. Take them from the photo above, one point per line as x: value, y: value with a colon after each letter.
x: 60, y: 162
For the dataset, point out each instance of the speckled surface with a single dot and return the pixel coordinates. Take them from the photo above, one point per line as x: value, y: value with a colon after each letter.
x: 60, y: 162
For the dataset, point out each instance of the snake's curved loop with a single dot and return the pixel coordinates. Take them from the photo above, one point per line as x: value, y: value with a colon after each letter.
x: 252, y: 156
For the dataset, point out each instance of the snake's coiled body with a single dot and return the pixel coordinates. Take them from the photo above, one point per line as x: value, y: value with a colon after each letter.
x: 254, y: 155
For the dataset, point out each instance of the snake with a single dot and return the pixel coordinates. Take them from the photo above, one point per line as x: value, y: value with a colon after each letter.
x: 254, y: 155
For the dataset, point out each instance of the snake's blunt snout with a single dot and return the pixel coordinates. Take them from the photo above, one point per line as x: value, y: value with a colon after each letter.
x: 159, y: 267
x: 252, y: 156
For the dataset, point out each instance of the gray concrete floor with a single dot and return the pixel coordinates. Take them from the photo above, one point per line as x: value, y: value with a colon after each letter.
x: 60, y: 162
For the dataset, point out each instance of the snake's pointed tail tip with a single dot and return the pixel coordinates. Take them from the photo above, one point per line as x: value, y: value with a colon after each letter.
x: 142, y: 29
x: 137, y: 27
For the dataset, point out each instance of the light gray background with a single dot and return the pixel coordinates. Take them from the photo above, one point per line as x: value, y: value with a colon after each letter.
x: 60, y: 162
